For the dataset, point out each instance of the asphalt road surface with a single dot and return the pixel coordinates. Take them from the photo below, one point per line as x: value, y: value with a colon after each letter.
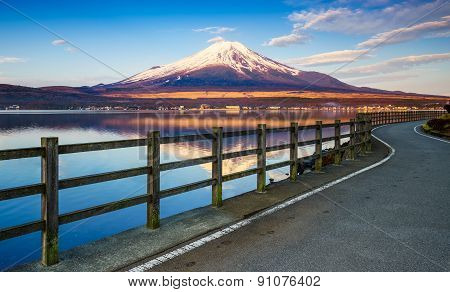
x: 395, y: 217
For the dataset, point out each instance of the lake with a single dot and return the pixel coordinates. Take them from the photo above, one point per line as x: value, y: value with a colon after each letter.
x: 20, y: 129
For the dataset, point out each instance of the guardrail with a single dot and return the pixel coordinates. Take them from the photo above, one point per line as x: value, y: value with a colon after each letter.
x: 51, y: 219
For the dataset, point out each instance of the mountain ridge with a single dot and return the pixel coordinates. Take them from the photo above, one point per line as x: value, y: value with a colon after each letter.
x: 229, y: 65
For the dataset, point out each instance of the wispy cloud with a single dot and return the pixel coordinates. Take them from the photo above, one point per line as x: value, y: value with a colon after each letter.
x: 393, y: 65
x: 216, y: 40
x: 67, y: 46
x: 71, y: 49
x: 336, y: 57
x: 425, y: 29
x: 382, y: 79
x: 4, y: 59
x: 215, y: 29
x: 327, y: 3
x: 58, y: 42
x: 362, y: 21
x: 372, y: 17
x: 287, y: 40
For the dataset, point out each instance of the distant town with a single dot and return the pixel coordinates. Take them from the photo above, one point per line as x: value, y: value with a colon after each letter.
x: 244, y: 108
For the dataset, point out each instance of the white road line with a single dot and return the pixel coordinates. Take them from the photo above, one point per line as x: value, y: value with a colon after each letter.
x: 417, y: 132
x: 193, y: 245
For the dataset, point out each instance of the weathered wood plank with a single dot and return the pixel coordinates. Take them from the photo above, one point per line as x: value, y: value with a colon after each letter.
x: 101, y: 177
x: 293, y: 151
x: 261, y: 159
x: 318, y: 150
x: 49, y: 201
x: 187, y: 188
x: 102, y: 209
x: 278, y: 147
x: 242, y: 153
x: 217, y: 149
x: 308, y: 127
x: 352, y: 155
x: 308, y: 142
x: 186, y: 163
x: 240, y: 174
x: 153, y: 179
x: 278, y: 165
x: 337, y: 142
x: 186, y: 138
x: 21, y: 153
x: 19, y: 192
x: 277, y: 130
x: 19, y: 230
x: 239, y: 133
x: 99, y: 146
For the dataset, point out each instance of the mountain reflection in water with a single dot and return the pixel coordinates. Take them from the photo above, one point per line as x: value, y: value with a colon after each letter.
x: 24, y: 129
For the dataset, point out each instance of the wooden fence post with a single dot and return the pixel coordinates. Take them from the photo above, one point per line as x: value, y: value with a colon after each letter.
x: 153, y: 179
x: 261, y: 159
x: 49, y: 201
x: 294, y: 151
x: 369, y: 134
x: 361, y: 135
x: 352, y: 139
x: 337, y: 142
x: 217, y: 149
x: 318, y: 152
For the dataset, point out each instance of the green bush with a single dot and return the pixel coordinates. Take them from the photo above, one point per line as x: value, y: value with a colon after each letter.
x: 440, y: 124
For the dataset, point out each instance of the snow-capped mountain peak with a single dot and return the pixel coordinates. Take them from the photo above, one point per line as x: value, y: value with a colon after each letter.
x: 226, y: 66
x: 232, y: 55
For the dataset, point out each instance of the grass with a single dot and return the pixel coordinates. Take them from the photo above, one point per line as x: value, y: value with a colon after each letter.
x: 439, y: 126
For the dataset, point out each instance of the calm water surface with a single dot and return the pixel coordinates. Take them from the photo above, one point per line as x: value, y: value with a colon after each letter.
x: 24, y: 129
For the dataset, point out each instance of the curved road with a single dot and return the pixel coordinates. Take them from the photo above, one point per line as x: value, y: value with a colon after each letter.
x: 395, y: 217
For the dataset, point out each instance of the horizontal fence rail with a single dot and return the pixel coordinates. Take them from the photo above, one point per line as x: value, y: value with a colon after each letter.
x: 49, y: 152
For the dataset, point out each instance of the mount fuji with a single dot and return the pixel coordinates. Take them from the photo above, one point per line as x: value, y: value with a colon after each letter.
x: 222, y: 74
x: 227, y: 66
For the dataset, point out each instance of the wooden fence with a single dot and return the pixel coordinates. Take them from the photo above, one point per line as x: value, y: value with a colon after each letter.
x: 381, y: 118
x: 50, y: 151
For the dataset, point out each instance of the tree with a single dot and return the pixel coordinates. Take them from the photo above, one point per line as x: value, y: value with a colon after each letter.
x: 447, y: 108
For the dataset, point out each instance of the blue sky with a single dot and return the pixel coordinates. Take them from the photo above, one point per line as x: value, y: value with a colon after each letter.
x: 398, y: 45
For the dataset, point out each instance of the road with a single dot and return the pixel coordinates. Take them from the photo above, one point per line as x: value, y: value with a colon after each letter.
x: 394, y: 217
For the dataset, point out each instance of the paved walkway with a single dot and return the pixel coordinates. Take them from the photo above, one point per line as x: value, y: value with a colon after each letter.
x: 394, y: 217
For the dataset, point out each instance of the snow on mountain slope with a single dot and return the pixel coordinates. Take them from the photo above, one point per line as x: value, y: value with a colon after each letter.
x: 226, y: 66
x: 230, y: 54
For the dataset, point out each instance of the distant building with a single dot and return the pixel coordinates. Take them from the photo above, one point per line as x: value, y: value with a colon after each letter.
x: 233, y: 107
x: 13, y: 107
x: 205, y: 106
